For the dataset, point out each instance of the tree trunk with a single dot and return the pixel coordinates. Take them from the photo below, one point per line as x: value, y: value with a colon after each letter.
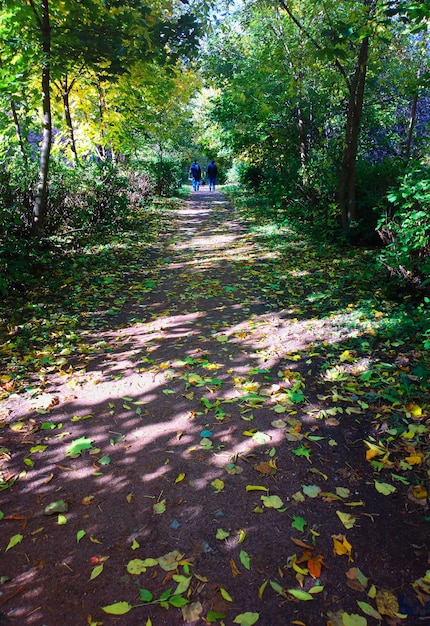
x: 347, y: 178
x: 412, y: 121
x: 17, y: 125
x: 18, y: 130
x: 65, y: 94
x: 41, y: 197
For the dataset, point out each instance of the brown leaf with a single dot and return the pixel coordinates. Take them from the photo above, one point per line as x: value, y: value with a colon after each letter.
x: 234, y: 569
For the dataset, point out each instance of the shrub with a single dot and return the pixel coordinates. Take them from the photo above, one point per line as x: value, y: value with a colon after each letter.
x: 405, y: 229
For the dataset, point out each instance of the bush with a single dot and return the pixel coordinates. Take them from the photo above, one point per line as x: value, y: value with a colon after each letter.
x: 166, y: 175
x: 89, y: 197
x: 405, y: 229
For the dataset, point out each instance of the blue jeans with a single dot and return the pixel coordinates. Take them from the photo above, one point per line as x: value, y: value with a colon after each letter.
x: 196, y: 184
x: 212, y: 182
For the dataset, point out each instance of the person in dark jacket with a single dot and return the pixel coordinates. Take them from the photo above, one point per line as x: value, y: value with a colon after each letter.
x: 212, y: 172
x: 196, y: 175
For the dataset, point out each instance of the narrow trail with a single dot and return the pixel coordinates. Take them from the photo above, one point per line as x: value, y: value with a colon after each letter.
x: 189, y: 452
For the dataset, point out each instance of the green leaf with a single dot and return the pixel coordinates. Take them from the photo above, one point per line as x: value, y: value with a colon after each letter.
x: 353, y: 620
x: 369, y: 610
x: 145, y: 595
x: 246, y: 619
x: 385, y: 488
x: 214, y: 616
x: 299, y: 523
x: 272, y: 502
x: 178, y: 601
x: 119, y: 608
x: 96, y: 571
x: 277, y: 587
x: 13, y: 541
x: 312, y: 491
x: 225, y: 594
x: 166, y: 594
x: 300, y: 594
x: 159, y: 507
x: 79, y: 445
x: 183, y: 583
x: 222, y: 534
x: 136, y: 567
x: 244, y: 559
x: 80, y: 534
x: 303, y: 451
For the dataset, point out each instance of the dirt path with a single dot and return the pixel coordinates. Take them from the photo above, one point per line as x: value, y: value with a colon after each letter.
x: 191, y: 455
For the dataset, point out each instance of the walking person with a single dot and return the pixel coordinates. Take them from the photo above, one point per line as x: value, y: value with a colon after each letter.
x: 196, y: 175
x: 212, y: 172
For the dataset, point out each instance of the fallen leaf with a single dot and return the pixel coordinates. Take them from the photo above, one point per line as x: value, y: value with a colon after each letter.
x: 192, y: 612
x: 244, y: 559
x: 272, y: 502
x: 246, y: 619
x: 13, y: 541
x: 385, y: 488
x: 342, y: 546
x: 119, y: 608
x: 217, y: 485
x: 299, y: 594
x: 226, y: 595
x: 386, y: 603
x: 159, y: 507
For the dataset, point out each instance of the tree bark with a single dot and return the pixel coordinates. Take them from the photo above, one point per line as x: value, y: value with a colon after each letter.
x: 18, y: 130
x: 41, y: 196
x: 412, y: 120
x: 347, y: 177
x: 65, y: 94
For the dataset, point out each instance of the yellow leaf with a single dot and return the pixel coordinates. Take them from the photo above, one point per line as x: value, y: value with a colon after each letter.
x: 414, y: 459
x: 218, y: 485
x: 342, y: 546
x: 371, y: 454
x: 419, y: 492
x: 180, y: 477
x: 414, y: 409
x: 129, y: 497
x: 386, y: 602
x: 262, y: 588
x: 256, y: 488
x: 94, y: 540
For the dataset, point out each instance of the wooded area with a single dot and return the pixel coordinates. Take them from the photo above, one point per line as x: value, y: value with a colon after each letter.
x: 215, y: 406
x: 320, y: 108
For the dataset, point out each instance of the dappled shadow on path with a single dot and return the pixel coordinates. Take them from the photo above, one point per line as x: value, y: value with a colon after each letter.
x: 200, y: 400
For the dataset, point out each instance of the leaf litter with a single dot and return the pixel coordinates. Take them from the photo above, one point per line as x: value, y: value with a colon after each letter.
x: 145, y: 442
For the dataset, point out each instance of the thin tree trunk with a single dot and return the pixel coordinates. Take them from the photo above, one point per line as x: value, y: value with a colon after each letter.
x: 412, y: 121
x: 65, y: 94
x: 18, y: 130
x: 41, y: 197
x: 17, y: 125
x: 347, y: 178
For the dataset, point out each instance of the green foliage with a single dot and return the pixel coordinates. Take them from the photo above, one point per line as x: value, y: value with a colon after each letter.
x: 90, y: 198
x: 166, y: 174
x: 406, y: 228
